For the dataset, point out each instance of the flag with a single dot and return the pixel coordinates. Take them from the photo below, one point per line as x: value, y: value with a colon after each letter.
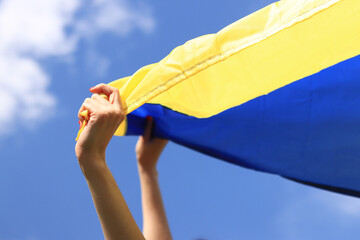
x: 277, y: 91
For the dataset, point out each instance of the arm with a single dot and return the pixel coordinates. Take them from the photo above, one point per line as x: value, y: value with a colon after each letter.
x: 154, y: 218
x: 104, y: 118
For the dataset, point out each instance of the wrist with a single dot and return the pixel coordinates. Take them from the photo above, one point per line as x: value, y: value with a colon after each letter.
x: 86, y: 152
x: 92, y: 166
x: 147, y: 170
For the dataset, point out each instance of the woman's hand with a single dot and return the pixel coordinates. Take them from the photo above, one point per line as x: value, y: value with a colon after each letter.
x: 104, y: 117
x: 148, y: 150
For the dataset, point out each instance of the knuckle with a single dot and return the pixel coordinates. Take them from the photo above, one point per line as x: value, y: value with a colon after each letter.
x: 102, y: 85
x: 114, y: 113
x: 116, y: 91
x: 106, y: 114
x: 120, y: 115
x: 117, y: 112
x: 102, y: 114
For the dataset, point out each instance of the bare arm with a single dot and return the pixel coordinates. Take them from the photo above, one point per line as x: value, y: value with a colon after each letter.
x: 104, y: 118
x: 154, y: 218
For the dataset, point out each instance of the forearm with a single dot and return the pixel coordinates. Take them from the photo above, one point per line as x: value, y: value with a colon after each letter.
x: 114, y: 215
x: 155, y: 225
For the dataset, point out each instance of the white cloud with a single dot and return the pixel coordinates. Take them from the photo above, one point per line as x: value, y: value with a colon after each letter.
x: 37, y: 26
x: 23, y: 85
x: 116, y: 16
x: 36, y: 29
x: 342, y: 205
x: 313, y: 208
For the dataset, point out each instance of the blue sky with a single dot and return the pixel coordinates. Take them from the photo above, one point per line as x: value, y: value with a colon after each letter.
x: 51, y: 53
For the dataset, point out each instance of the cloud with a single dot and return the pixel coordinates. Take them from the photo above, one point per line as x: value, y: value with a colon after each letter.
x: 23, y: 91
x: 115, y: 16
x: 36, y: 27
x: 313, y: 209
x: 342, y: 205
x: 35, y: 30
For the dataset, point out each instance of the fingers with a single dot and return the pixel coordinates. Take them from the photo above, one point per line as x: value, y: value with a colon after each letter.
x: 88, y: 106
x: 81, y: 110
x: 111, y: 92
x: 148, y: 128
x: 102, y: 98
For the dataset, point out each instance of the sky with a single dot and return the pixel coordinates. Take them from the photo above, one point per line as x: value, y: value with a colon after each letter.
x: 51, y: 53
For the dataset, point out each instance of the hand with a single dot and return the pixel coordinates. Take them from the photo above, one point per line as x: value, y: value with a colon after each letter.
x: 104, y: 117
x: 148, y: 149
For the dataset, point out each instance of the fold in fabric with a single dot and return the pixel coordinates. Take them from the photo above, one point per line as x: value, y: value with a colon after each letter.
x: 277, y: 91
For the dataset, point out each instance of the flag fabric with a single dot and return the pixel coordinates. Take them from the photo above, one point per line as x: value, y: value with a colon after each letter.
x: 277, y: 91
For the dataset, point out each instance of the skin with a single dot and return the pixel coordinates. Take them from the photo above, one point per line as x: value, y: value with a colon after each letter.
x: 104, y: 118
x: 148, y: 151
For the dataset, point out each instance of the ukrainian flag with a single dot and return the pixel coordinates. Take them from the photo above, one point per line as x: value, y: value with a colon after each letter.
x: 277, y: 91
